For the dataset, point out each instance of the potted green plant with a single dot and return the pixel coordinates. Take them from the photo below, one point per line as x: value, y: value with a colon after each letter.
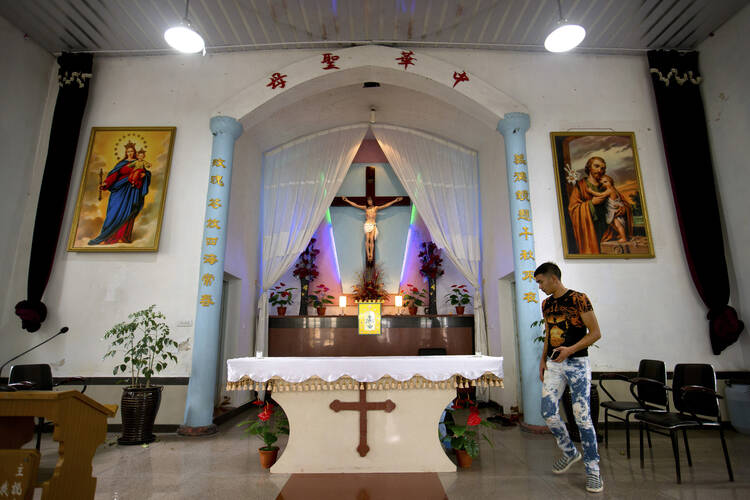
x: 464, y: 439
x: 320, y: 298
x: 459, y: 297
x: 146, y: 349
x: 413, y: 298
x: 268, y: 428
x: 281, y: 296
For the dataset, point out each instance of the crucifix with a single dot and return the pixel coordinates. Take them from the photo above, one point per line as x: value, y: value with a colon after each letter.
x: 370, y: 203
x: 363, y: 406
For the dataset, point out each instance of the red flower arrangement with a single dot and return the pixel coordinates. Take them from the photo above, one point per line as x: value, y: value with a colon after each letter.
x: 458, y: 296
x: 466, y: 437
x: 320, y: 297
x: 431, y: 260
x: 413, y: 296
x: 305, y: 268
x: 266, y: 429
x: 281, y: 295
x: 370, y: 286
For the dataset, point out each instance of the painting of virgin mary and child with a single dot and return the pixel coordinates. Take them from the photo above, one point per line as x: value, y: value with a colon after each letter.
x: 123, y: 187
x: 600, y: 193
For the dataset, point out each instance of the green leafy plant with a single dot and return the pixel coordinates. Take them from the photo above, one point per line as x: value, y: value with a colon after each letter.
x: 320, y: 296
x: 144, y: 343
x: 267, y: 426
x: 413, y: 296
x: 458, y: 296
x: 466, y: 437
x: 281, y: 295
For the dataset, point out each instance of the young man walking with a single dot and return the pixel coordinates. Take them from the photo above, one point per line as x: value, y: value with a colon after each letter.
x: 571, y: 327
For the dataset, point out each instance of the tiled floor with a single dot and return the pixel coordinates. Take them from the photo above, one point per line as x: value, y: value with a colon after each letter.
x: 226, y: 466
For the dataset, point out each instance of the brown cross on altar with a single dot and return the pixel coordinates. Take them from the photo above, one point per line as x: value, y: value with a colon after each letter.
x: 363, y: 406
x: 370, y: 191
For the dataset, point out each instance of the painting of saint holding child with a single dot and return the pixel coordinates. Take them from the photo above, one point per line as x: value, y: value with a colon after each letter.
x: 600, y: 194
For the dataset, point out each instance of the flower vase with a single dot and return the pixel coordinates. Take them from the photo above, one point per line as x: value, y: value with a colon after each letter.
x: 464, y: 459
x: 304, y: 292
x: 321, y: 311
x: 412, y: 310
x: 268, y: 457
x: 281, y: 311
x: 431, y: 296
x: 459, y: 310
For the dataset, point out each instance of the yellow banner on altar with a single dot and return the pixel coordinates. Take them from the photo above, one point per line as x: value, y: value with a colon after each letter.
x: 369, y: 318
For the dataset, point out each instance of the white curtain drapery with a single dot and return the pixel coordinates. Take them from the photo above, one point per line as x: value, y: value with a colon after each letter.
x: 442, y: 180
x: 300, y: 180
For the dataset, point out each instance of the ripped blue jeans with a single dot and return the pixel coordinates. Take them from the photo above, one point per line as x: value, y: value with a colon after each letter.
x: 576, y: 373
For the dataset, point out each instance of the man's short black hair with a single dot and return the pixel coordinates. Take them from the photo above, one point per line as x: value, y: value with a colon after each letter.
x: 548, y: 268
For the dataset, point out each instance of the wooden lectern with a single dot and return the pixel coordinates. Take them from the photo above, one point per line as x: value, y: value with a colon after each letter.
x: 80, y: 427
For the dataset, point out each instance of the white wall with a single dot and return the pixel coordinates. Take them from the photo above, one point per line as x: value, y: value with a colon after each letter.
x: 727, y: 102
x: 27, y: 71
x: 647, y: 308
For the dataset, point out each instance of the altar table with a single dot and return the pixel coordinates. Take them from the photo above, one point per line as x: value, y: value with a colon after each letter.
x: 364, y: 414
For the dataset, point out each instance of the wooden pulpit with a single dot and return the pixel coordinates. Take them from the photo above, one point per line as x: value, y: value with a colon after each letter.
x: 80, y: 427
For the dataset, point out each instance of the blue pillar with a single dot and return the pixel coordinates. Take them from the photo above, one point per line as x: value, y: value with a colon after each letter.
x: 513, y: 127
x: 200, y: 397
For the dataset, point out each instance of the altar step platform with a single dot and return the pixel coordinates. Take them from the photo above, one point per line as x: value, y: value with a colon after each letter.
x: 364, y: 414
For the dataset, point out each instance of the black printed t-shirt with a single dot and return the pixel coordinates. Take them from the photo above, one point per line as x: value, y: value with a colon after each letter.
x: 564, y: 323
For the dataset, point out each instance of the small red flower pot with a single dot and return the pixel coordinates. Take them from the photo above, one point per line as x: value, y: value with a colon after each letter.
x: 413, y: 310
x: 281, y: 310
x: 321, y: 311
x: 460, y: 310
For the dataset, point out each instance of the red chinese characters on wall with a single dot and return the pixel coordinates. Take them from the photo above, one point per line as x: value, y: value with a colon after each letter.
x: 277, y: 80
x: 459, y: 77
x: 407, y: 58
x: 330, y: 61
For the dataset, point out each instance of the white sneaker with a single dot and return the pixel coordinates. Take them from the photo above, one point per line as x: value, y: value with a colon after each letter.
x: 563, y: 463
x: 594, y: 482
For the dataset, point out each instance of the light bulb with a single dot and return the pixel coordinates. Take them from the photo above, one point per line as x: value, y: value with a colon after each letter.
x: 565, y: 38
x: 184, y: 39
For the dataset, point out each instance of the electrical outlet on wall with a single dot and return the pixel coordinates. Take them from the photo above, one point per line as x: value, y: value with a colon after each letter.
x: 185, y: 323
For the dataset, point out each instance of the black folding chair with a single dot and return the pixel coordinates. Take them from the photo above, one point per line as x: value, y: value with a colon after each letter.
x: 653, y: 397
x: 694, y: 393
x: 38, y: 378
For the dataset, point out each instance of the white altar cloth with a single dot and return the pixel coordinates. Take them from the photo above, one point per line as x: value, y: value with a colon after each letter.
x: 364, y: 369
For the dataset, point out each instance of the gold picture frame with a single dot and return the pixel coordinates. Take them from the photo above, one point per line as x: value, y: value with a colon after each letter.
x: 600, y: 196
x: 123, y: 188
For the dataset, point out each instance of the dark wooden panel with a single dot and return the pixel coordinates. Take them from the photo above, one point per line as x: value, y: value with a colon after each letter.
x: 337, y: 336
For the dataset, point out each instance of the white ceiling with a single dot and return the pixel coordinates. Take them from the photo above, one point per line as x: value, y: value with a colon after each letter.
x: 351, y: 104
x: 137, y: 26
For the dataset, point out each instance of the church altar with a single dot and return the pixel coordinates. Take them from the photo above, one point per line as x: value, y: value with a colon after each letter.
x: 364, y: 414
x: 402, y: 335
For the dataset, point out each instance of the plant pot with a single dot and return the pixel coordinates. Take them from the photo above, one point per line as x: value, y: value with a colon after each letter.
x: 268, y: 457
x: 321, y: 311
x: 460, y: 310
x: 281, y: 311
x: 138, y: 407
x: 412, y: 310
x: 464, y: 459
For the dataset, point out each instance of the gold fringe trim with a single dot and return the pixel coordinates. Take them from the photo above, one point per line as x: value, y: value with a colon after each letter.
x: 348, y: 384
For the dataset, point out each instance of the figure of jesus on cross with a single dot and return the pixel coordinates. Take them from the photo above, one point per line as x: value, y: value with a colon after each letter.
x: 369, y: 204
x: 371, y: 230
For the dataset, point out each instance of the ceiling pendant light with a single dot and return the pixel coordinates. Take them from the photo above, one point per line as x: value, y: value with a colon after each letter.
x: 183, y: 37
x: 566, y: 36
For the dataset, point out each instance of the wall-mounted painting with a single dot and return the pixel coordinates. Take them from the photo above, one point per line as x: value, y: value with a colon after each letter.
x: 600, y: 194
x: 123, y: 188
